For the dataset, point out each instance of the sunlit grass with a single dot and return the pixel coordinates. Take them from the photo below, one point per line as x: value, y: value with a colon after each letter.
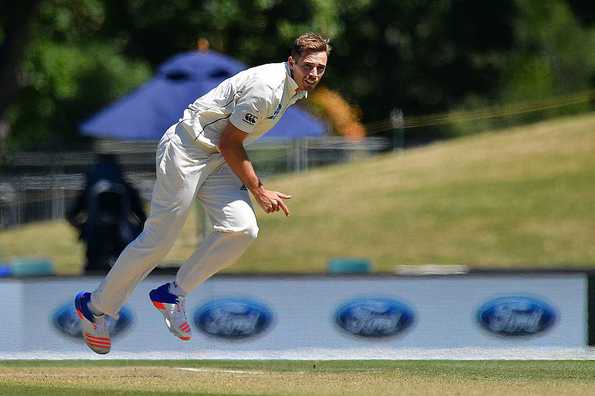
x: 361, y: 378
x: 520, y: 197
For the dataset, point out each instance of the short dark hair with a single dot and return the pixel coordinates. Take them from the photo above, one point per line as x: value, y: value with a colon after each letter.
x: 309, y: 42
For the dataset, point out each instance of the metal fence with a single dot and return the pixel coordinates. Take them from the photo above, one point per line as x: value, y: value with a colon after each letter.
x: 41, y: 186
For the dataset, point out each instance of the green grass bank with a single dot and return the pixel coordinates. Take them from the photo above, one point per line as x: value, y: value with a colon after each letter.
x: 501, y: 199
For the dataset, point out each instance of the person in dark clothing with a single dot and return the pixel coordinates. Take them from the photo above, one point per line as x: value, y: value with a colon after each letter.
x: 108, y: 213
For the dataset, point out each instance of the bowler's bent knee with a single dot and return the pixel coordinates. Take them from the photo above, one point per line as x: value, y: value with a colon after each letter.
x: 251, y: 232
x: 246, y: 235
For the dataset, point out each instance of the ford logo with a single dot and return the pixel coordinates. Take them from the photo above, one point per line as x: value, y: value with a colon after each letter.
x: 66, y: 321
x: 374, y: 317
x: 516, y: 316
x: 233, y: 318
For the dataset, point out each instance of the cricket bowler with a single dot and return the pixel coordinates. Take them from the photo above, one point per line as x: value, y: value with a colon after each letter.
x: 203, y: 157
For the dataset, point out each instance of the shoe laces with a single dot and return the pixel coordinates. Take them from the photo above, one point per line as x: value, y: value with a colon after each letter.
x: 100, y: 323
x: 180, y: 304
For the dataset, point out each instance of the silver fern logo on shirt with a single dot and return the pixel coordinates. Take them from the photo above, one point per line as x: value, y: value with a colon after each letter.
x: 250, y: 118
x: 276, y: 113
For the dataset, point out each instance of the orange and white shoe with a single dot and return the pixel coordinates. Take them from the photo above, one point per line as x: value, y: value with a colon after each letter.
x: 95, y: 328
x: 171, y: 307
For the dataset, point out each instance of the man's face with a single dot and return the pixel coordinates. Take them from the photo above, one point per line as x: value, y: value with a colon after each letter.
x: 308, y: 69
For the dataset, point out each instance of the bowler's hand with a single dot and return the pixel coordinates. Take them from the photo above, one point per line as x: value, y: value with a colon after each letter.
x: 271, y: 201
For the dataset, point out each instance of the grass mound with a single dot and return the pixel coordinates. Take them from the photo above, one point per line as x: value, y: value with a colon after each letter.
x: 519, y: 197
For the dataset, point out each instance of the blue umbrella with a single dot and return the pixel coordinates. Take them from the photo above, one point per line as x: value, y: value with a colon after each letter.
x: 149, y: 110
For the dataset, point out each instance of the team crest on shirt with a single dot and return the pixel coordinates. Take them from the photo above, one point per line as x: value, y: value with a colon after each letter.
x: 250, y: 118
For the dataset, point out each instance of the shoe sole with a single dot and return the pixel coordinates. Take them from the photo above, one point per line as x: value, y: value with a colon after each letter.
x: 100, y: 345
x: 161, y: 308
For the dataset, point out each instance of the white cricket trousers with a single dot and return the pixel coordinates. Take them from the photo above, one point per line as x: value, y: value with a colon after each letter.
x: 184, y: 171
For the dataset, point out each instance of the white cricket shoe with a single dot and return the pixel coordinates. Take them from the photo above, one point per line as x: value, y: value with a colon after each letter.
x: 172, y: 308
x: 95, y: 328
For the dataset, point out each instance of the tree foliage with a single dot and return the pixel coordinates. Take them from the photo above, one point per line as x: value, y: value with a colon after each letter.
x: 418, y: 56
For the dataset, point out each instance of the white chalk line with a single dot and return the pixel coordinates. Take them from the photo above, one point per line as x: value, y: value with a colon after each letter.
x: 214, y: 371
x: 324, y: 354
x: 258, y: 372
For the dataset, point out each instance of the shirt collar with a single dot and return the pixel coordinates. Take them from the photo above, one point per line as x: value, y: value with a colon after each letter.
x: 291, y: 85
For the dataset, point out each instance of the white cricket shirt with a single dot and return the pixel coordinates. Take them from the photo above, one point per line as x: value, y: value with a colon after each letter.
x: 253, y: 101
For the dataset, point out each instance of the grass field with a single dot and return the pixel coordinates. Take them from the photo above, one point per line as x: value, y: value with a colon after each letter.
x: 518, y: 197
x: 362, y: 378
